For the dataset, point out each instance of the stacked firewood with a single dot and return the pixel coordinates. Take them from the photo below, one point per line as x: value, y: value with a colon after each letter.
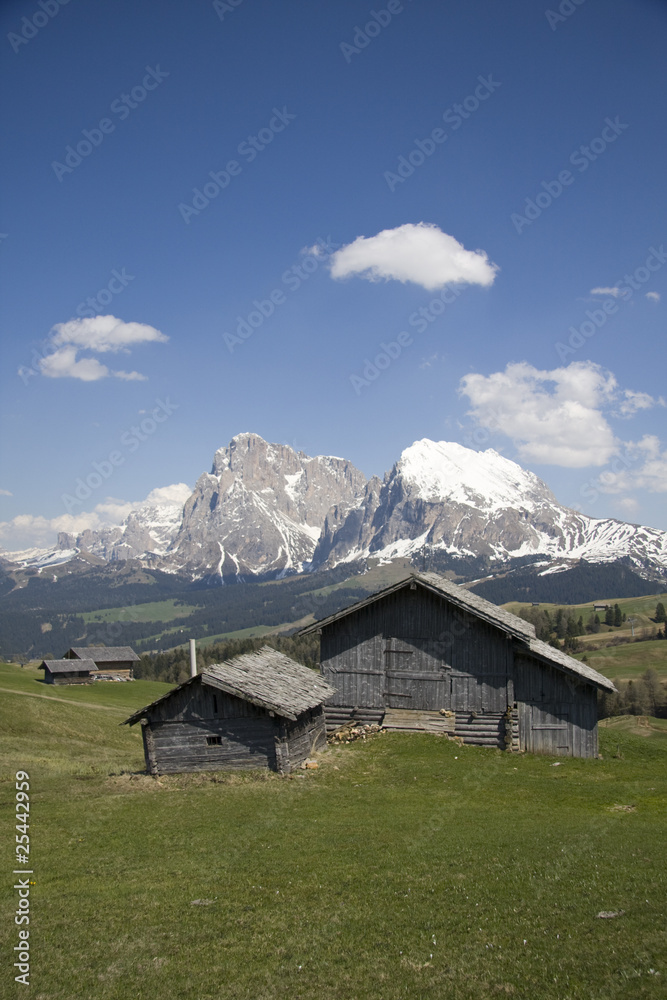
x: 353, y: 731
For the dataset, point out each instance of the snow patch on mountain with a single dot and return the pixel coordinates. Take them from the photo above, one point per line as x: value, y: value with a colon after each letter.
x: 443, y: 470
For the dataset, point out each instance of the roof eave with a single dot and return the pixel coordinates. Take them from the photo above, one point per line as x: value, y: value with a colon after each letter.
x: 324, y: 622
x: 599, y: 681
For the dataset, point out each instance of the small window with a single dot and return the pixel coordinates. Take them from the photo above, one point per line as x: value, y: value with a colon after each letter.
x: 214, y: 741
x: 215, y: 705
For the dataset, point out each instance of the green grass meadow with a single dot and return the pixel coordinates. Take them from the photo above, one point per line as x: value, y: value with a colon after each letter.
x: 405, y: 866
x: 629, y: 661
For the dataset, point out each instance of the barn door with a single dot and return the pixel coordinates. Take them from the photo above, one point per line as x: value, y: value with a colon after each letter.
x: 549, y: 730
x: 415, y: 675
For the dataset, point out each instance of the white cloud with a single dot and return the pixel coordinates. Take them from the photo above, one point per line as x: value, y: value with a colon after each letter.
x: 63, y: 364
x: 634, y: 401
x: 101, y: 335
x: 606, y: 291
x: 642, y: 465
x: 421, y: 254
x: 105, y: 333
x: 628, y: 505
x: 177, y: 493
x: 653, y: 296
x: 556, y: 417
x: 28, y: 530
x: 130, y: 376
x: 6, y: 493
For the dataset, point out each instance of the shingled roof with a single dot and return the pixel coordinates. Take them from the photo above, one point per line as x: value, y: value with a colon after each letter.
x: 67, y: 666
x: 266, y: 678
x: 104, y: 654
x: 559, y: 659
x: 476, y: 605
x: 459, y: 596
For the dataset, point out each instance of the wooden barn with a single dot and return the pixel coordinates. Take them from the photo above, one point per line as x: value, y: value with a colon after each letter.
x: 116, y: 660
x: 84, y: 664
x: 427, y: 654
x: 68, y: 672
x: 259, y: 709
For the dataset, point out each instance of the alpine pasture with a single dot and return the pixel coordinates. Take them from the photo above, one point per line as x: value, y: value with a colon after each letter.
x: 406, y: 865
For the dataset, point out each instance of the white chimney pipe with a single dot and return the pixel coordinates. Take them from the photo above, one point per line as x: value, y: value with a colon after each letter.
x: 193, y: 659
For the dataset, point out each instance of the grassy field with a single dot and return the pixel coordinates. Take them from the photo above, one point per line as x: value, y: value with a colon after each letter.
x: 153, y: 611
x: 625, y: 662
x: 629, y: 661
x: 641, y: 608
x: 405, y: 866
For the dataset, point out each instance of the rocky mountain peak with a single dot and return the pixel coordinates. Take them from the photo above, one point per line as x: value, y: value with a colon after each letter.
x: 261, y: 509
x: 266, y: 509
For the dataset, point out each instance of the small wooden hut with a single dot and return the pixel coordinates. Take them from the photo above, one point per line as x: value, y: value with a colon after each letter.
x: 68, y: 672
x: 256, y: 710
x: 427, y: 654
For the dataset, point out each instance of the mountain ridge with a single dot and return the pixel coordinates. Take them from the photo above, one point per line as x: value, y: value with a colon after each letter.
x: 265, y: 510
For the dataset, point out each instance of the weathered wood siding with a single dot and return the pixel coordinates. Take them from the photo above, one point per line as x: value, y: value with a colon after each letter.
x: 417, y: 651
x: 185, y: 746
x: 180, y: 731
x: 303, y: 736
x: 182, y: 734
x: 66, y: 678
x: 557, y: 713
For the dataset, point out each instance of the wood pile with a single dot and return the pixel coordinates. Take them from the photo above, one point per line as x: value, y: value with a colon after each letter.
x: 352, y: 731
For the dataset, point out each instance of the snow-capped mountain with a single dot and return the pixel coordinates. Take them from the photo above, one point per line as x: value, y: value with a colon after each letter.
x: 265, y: 509
x: 148, y: 530
x: 469, y: 503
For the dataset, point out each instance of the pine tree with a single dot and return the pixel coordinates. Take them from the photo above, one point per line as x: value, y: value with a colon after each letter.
x: 559, y: 624
x: 660, y: 615
x: 609, y: 616
x: 618, y: 617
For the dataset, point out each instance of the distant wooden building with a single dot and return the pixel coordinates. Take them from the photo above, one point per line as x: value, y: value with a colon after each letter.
x: 84, y: 664
x: 427, y: 654
x: 116, y: 660
x: 257, y: 710
x: 68, y: 671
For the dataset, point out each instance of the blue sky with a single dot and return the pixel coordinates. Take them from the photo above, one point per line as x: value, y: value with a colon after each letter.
x: 326, y: 123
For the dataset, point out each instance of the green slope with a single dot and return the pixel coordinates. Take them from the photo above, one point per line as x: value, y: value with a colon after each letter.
x: 406, y: 866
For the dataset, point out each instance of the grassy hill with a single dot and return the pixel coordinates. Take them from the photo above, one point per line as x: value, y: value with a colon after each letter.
x: 406, y: 866
x: 626, y: 661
